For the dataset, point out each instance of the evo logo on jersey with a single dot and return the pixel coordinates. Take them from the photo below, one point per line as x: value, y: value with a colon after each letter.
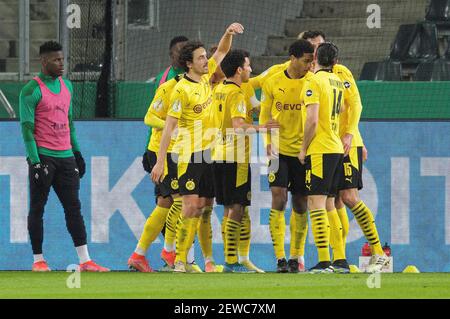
x: 293, y: 107
x: 199, y: 107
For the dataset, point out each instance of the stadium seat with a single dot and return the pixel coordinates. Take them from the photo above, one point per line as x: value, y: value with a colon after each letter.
x: 403, y: 40
x: 425, y: 45
x: 369, y: 71
x: 438, y: 10
x: 415, y: 42
x: 387, y: 70
x: 424, y: 72
x: 438, y: 70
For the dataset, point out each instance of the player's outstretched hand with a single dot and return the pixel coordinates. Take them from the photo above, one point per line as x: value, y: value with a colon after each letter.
x: 235, y: 28
x: 40, y: 174
x: 80, y: 163
x: 157, y: 172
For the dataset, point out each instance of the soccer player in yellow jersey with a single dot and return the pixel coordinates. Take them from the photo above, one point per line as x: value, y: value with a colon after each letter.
x: 190, y: 102
x: 322, y: 152
x: 231, y: 152
x: 252, y: 107
x: 166, y: 192
x: 351, y: 170
x: 281, y: 101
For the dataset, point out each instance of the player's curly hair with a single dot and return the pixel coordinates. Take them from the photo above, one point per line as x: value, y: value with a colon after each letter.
x: 50, y: 46
x: 327, y: 54
x: 187, y: 53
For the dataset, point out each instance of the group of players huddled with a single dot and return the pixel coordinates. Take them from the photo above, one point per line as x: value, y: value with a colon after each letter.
x: 202, y: 124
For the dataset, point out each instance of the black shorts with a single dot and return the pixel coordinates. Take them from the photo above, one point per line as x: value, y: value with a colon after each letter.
x: 350, y: 175
x: 232, y: 183
x: 290, y: 174
x: 169, y: 185
x: 322, y: 174
x: 196, y: 177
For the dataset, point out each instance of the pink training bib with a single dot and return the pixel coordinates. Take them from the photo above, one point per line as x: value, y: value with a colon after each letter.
x: 51, y: 122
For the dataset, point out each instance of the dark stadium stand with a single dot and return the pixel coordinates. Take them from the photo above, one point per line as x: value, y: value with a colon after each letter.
x: 422, y: 50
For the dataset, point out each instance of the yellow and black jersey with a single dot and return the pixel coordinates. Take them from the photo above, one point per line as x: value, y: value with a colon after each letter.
x: 250, y: 101
x: 189, y: 103
x: 228, y: 103
x: 158, y: 107
x: 281, y: 101
x: 326, y: 89
x: 352, y: 108
x: 258, y: 81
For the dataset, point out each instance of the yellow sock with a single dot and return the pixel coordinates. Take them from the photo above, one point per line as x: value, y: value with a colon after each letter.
x: 152, y: 228
x: 336, y: 235
x: 245, y: 235
x: 224, y: 236
x: 204, y: 233
x: 365, y: 220
x: 342, y: 212
x: 186, y: 228
x: 277, y: 229
x: 232, y: 230
x: 299, y: 229
x: 321, y: 231
x: 171, y: 224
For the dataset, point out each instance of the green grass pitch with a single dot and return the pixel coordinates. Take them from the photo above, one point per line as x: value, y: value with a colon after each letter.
x: 223, y: 286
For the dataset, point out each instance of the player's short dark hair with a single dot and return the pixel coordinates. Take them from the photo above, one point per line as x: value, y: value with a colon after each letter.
x: 187, y: 53
x: 313, y: 34
x: 50, y: 46
x: 232, y: 61
x: 176, y: 40
x: 327, y: 54
x: 300, y: 47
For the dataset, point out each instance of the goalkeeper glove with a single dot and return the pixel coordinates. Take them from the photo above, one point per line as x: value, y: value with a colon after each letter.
x: 80, y: 163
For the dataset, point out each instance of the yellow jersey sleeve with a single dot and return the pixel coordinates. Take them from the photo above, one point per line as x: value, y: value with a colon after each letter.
x: 161, y: 100
x: 258, y: 81
x: 351, y: 114
x: 212, y: 67
x: 311, y: 92
x: 238, y: 107
x: 178, y: 100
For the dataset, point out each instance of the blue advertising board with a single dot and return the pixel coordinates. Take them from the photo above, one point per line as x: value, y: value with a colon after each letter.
x: 406, y: 185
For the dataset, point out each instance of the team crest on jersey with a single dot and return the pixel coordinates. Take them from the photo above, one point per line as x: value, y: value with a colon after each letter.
x: 279, y: 106
x: 174, y: 184
x: 271, y: 177
x: 241, y: 108
x: 347, y: 84
x: 198, y: 109
x: 190, y: 185
x: 309, y: 93
x: 176, y: 106
x: 157, y: 105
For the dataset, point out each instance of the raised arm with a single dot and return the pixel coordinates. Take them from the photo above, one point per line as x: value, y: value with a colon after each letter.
x: 226, y: 41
